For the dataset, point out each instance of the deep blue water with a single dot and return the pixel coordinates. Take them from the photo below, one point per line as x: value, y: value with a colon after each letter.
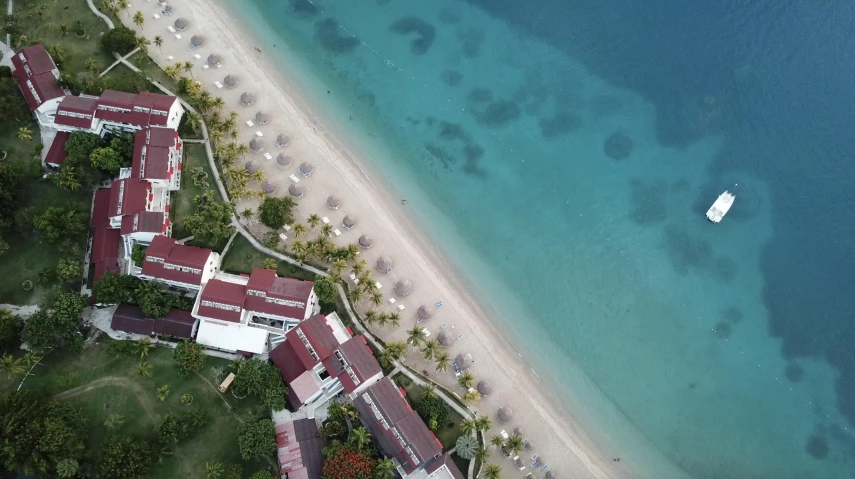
x: 727, y: 351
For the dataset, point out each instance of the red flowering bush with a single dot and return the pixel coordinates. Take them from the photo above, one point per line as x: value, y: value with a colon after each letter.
x: 348, y: 464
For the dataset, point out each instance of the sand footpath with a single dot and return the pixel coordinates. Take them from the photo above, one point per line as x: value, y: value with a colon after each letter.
x: 557, y: 437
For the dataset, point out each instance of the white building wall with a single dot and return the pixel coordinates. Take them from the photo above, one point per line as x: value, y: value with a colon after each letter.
x: 175, y: 115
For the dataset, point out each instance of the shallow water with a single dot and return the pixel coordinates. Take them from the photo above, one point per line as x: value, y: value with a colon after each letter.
x: 571, y: 148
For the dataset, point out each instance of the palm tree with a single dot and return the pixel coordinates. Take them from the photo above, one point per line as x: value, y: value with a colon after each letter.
x: 213, y: 470
x: 314, y: 220
x: 482, y: 423
x: 468, y: 426
x: 514, y: 444
x: 395, y: 319
x: 466, y: 446
x: 385, y: 358
x: 242, y: 149
x: 471, y: 397
x: 144, y: 345
x: 158, y: 42
x: 269, y: 263
x: 491, y: 471
x: 326, y: 230
x: 63, y: 29
x: 11, y: 366
x: 194, y: 121
x: 465, y: 380
x: 188, y: 67
x: 430, y: 391
x: 299, y: 230
x: 124, y: 5
x: 30, y: 358
x: 258, y: 176
x: 481, y: 454
x: 376, y: 298
x: 443, y: 361
x: 139, y: 19
x: 338, y: 266
x: 144, y: 369
x: 385, y: 469
x: 162, y: 392
x: 397, y: 348
x: 359, y: 437
x: 92, y: 66
x: 382, y: 319
x: 25, y: 134
x: 497, y: 440
x: 143, y: 43
x: 416, y: 336
x: 430, y: 349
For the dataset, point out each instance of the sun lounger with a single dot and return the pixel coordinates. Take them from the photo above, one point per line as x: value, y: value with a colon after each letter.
x: 249, y: 123
x: 170, y: 28
x: 325, y: 220
x: 179, y: 37
x: 170, y: 57
x: 337, y: 232
x: 379, y: 286
x: 391, y: 300
x: 205, y: 66
x: 426, y: 331
x: 444, y: 325
x: 259, y: 134
x: 283, y: 236
x: 218, y: 85
x: 268, y: 156
x: 287, y: 227
x: 197, y: 56
x: 459, y: 336
x: 439, y: 304
x: 155, y: 16
x: 294, y: 179
x: 400, y: 307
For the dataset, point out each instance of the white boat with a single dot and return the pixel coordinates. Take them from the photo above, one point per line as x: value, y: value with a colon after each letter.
x: 720, y: 207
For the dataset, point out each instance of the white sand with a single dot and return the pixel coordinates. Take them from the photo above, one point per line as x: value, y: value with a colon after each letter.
x: 557, y: 436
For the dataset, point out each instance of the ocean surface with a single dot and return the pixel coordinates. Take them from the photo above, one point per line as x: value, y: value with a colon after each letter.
x: 564, y: 152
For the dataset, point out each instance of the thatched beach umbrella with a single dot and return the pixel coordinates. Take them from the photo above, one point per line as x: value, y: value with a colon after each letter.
x: 505, y: 414
x: 403, y: 287
x: 444, y: 339
x: 262, y: 118
x: 168, y: 9
x: 256, y: 144
x: 181, y: 24
x: 424, y: 312
x: 365, y: 241
x: 349, y: 222
x: 231, y: 81
x: 246, y: 98
x: 550, y: 475
x: 251, y: 166
x: 518, y: 431
x: 463, y: 362
x: 518, y: 462
x: 197, y: 40
x: 333, y: 202
x: 540, y: 461
x: 268, y: 187
x: 282, y: 140
x: 283, y: 160
x: 529, y: 445
x: 306, y: 168
x: 215, y: 61
x: 296, y: 190
x: 484, y: 388
x: 384, y: 264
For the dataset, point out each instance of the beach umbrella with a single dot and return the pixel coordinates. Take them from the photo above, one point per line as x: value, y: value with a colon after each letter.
x: 232, y: 81
x: 283, y: 160
x: 403, y: 287
x: 484, y: 388
x: 296, y: 191
x: 365, y: 241
x: 306, y: 168
x: 246, y: 98
x: 181, y: 24
x: 197, y: 40
x: 529, y: 445
x: 268, y: 187
x: 444, y: 339
x: 518, y: 431
x: 282, y: 140
x: 168, y: 8
x: 251, y: 166
x: 550, y: 475
x: 349, y: 222
x: 519, y: 463
x: 256, y: 144
x: 384, y: 264
x: 463, y: 362
x: 540, y: 461
x: 505, y: 414
x: 424, y: 312
x: 262, y: 118
x: 333, y: 202
x: 216, y: 60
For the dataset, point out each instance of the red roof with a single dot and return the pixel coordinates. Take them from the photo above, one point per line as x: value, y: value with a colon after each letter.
x: 128, y: 196
x: 101, y: 208
x: 223, y: 293
x: 444, y: 460
x: 160, y: 247
x: 151, y: 153
x: 34, y: 70
x: 273, y: 288
x: 166, y: 259
x: 176, y: 323
x: 144, y: 222
x: 32, y: 60
x: 130, y: 319
x: 39, y: 89
x: 261, y: 279
x: 105, y: 244
x: 78, y: 111
x: 292, y: 357
x: 359, y: 358
x: 57, y: 154
x: 142, y: 109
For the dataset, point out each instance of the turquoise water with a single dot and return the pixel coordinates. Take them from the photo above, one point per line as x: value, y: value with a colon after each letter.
x: 672, y: 340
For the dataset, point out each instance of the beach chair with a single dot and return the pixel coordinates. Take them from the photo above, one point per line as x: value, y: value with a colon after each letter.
x: 294, y: 179
x: 170, y: 28
x: 205, y: 66
x: 391, y: 300
x: 268, y: 156
x: 249, y: 123
x: 460, y: 336
x: 283, y: 236
x: 170, y: 57
x: 197, y: 56
x: 325, y: 220
x: 426, y: 331
x: 218, y: 85
x: 444, y: 325
x: 337, y: 232
x: 400, y: 307
x: 155, y: 16
x: 379, y: 286
x: 439, y: 304
x: 259, y: 134
x: 178, y: 36
x: 287, y: 227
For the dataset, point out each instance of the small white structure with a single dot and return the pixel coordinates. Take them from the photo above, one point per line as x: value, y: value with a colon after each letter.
x: 720, y: 207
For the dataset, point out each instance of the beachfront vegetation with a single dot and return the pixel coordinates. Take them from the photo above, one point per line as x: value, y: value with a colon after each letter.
x: 276, y: 212
x: 211, y: 222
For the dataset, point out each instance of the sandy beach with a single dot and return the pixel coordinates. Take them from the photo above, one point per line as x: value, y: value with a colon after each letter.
x: 338, y: 171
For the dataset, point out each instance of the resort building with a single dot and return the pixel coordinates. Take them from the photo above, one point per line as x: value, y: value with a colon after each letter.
x: 320, y: 359
x: 37, y: 75
x: 56, y: 154
x: 176, y: 323
x: 299, y: 449
x: 114, y: 111
x: 179, y: 266
x: 400, y: 432
x: 238, y: 312
x: 442, y: 467
x: 157, y: 157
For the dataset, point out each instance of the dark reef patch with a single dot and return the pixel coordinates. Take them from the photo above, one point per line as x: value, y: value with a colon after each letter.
x: 559, y: 124
x: 425, y: 31
x: 305, y: 9
x: 723, y: 330
x: 368, y: 98
x: 724, y: 269
x: 473, y: 153
x: 451, y: 77
x: 452, y: 131
x: 471, y: 40
x: 618, y: 146
x: 648, y: 201
x: 794, y: 372
x: 326, y: 32
x: 480, y: 95
x: 817, y: 447
x: 497, y: 114
x: 685, y: 252
x: 449, y: 17
x: 444, y: 157
x: 732, y: 315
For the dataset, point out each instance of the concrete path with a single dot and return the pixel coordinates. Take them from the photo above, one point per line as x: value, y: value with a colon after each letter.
x: 97, y: 12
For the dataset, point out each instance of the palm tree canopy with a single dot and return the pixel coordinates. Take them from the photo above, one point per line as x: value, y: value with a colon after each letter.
x: 466, y: 446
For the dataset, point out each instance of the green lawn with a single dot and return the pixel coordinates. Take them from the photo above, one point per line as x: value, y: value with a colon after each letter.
x: 449, y: 431
x: 242, y: 257
x: 107, y: 382
x: 40, y: 21
x: 182, y: 200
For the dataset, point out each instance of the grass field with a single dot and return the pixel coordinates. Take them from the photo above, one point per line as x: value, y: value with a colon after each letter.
x: 242, y: 257
x: 102, y: 382
x: 182, y: 200
x: 449, y: 431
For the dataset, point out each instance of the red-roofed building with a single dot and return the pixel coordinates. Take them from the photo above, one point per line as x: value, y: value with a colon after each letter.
x: 37, y: 74
x: 56, y: 153
x: 77, y: 113
x: 176, y: 323
x: 144, y: 226
x: 399, y: 431
x: 179, y: 266
x: 299, y: 449
x: 157, y: 157
x: 101, y: 208
x: 130, y: 112
x: 284, y: 299
x: 105, y: 251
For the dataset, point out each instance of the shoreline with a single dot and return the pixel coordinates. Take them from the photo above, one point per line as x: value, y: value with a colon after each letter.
x: 491, y: 343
